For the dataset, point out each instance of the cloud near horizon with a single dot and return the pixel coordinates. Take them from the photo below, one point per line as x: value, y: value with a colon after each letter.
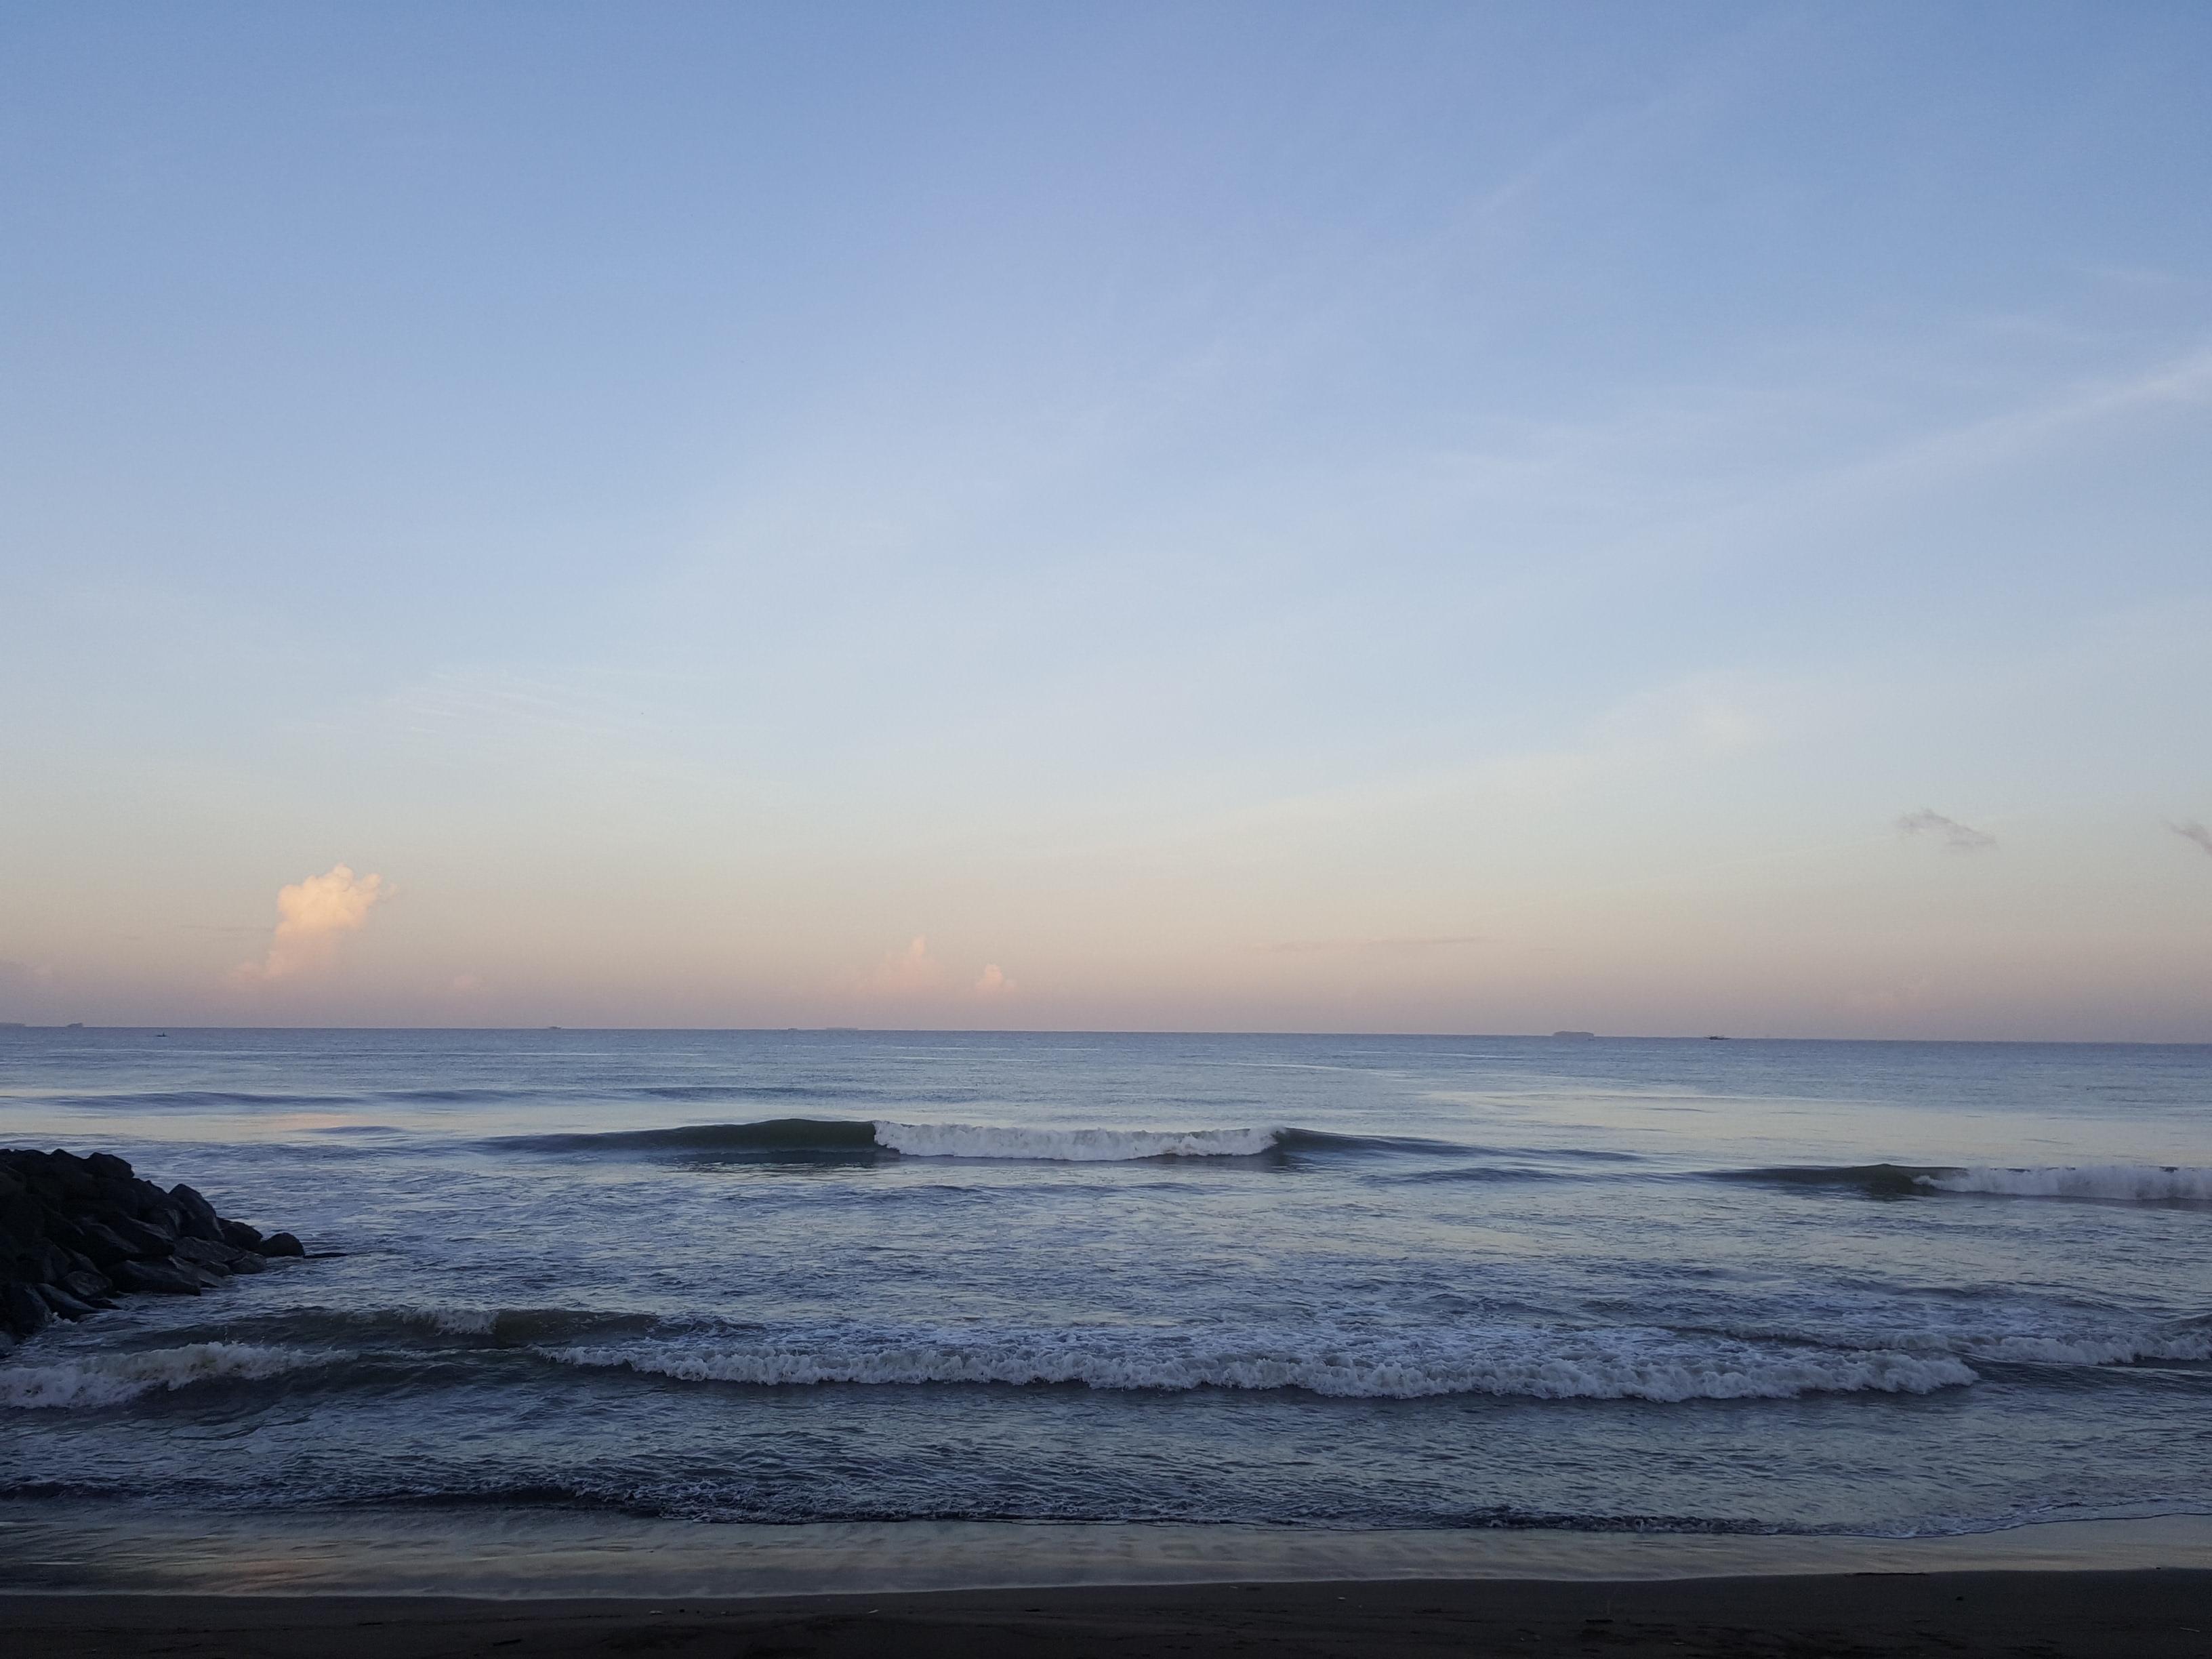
x: 908, y: 973
x: 2191, y: 830
x: 1956, y: 837
x: 312, y: 916
x: 914, y: 973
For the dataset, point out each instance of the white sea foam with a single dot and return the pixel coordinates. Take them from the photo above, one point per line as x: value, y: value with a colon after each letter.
x: 2134, y: 1183
x: 107, y: 1379
x: 1535, y: 1363
x: 982, y: 1140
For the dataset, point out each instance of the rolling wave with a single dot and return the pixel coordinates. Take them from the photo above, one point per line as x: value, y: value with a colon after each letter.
x: 768, y: 1138
x: 1627, y: 1364
x: 861, y: 1139
x: 974, y: 1140
x: 188, y: 1099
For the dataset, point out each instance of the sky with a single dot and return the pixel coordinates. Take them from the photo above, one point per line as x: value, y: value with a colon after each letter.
x: 1656, y: 520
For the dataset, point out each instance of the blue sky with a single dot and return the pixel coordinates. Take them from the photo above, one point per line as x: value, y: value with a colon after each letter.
x: 1425, y: 518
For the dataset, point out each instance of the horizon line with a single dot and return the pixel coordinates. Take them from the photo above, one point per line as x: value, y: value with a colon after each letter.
x: 1562, y: 1035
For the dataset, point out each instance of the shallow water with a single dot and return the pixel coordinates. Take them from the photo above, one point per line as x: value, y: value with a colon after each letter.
x: 1367, y: 1283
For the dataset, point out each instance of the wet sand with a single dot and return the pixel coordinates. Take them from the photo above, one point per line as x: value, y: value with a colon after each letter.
x: 2145, y: 1614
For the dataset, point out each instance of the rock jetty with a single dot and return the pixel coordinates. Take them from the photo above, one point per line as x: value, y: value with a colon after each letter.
x: 75, y: 1232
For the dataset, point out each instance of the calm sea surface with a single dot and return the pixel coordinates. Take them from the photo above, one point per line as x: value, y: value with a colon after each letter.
x: 1324, y: 1281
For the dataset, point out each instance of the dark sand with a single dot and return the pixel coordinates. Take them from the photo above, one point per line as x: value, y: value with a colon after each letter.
x: 2144, y: 1614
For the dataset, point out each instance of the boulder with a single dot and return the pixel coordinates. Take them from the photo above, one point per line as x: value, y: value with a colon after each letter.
x: 158, y: 1277
x: 51, y: 1260
x: 23, y: 1311
x: 218, y: 1258
x: 145, y: 1238
x: 104, y: 1247
x: 200, y: 1220
x: 63, y: 1305
x: 87, y: 1285
x: 243, y: 1236
x: 66, y: 1173
x: 76, y: 1231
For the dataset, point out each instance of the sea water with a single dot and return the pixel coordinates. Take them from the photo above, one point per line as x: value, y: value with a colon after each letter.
x: 811, y: 1278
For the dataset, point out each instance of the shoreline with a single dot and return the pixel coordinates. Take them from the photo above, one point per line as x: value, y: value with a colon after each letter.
x: 2146, y: 1613
x: 73, y: 1549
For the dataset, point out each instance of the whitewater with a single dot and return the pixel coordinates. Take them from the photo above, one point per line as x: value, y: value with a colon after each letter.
x: 805, y: 1277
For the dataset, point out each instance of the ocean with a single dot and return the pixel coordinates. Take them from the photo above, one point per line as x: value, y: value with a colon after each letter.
x: 1423, y: 1284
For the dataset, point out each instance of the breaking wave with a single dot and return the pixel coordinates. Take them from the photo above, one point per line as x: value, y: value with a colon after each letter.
x: 2125, y: 1183
x: 1631, y: 1364
x: 109, y: 1379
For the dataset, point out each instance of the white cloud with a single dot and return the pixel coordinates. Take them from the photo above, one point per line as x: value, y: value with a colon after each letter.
x: 1955, y: 837
x: 993, y: 982
x: 312, y: 917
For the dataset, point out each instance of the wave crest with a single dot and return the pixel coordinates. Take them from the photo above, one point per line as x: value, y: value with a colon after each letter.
x: 109, y: 1379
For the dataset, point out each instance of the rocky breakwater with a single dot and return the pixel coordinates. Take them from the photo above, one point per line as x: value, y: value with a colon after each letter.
x: 75, y: 1232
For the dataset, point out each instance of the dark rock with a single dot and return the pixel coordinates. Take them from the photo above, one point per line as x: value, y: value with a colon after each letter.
x: 63, y: 1304
x: 74, y: 1232
x: 200, y: 1220
x: 23, y: 1311
x: 87, y: 1285
x: 130, y: 1197
x: 104, y: 1248
x: 67, y: 1171
x: 161, y: 1217
x: 17, y: 1207
x: 160, y: 1277
x: 51, y: 1260
x: 145, y: 1237
x: 201, y: 1254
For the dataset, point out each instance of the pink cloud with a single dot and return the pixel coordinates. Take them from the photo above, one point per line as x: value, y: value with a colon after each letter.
x: 908, y: 973
x: 914, y: 974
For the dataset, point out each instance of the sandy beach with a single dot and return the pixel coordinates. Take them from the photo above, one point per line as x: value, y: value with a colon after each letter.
x: 2141, y: 1614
